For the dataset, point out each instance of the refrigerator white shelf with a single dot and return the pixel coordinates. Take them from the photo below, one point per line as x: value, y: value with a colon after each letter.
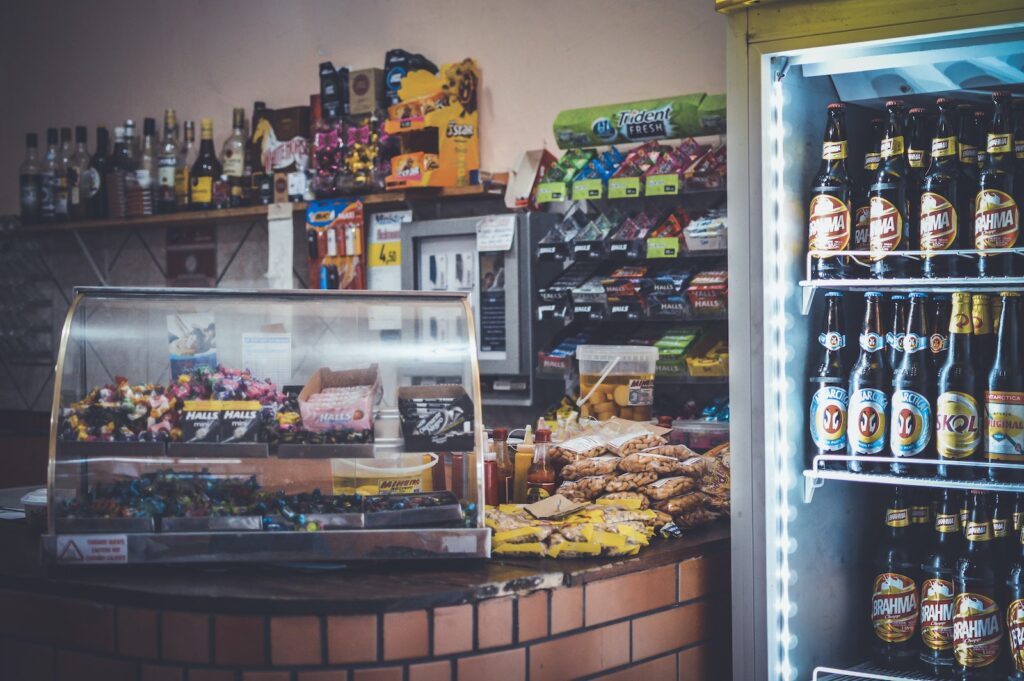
x: 867, y: 670
x: 818, y: 473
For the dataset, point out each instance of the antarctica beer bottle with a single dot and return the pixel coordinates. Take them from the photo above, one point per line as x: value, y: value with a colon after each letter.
x: 870, y: 381
x: 829, y: 381
x: 910, y: 414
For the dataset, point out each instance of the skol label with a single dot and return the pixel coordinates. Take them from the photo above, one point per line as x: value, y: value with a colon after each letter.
x: 996, y: 220
x: 894, y: 608
x: 911, y: 419
x: 937, y: 613
x: 1004, y: 412
x: 938, y: 222
x: 886, y: 225
x: 977, y: 631
x: 957, y: 425
x: 867, y: 421
x: 828, y: 419
x: 830, y: 223
x: 1015, y: 631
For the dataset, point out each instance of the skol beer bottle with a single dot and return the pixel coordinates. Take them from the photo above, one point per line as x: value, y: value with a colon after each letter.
x: 828, y: 380
x: 977, y: 619
x: 967, y: 143
x: 894, y: 595
x: 938, y: 325
x: 984, y: 337
x: 1004, y: 396
x: 957, y: 416
x: 897, y: 329
x: 862, y: 216
x: 996, y: 214
x: 1015, y: 610
x: 891, y: 221
x: 910, y: 414
x: 947, y: 201
x: 937, y: 588
x: 832, y: 198
x: 870, y: 381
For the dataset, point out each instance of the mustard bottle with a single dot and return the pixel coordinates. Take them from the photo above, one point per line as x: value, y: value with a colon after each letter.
x: 524, y: 457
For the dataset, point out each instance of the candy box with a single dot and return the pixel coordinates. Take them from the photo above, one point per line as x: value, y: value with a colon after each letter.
x: 709, y: 292
x: 436, y: 417
x: 340, y: 400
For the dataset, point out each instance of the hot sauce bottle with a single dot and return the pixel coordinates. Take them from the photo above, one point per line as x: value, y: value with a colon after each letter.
x: 540, y: 477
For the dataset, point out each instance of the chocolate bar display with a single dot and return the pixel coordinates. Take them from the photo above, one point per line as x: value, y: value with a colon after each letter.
x: 436, y: 417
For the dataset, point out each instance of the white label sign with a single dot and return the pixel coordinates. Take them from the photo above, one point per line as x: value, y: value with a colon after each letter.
x: 92, y: 548
x: 495, y: 233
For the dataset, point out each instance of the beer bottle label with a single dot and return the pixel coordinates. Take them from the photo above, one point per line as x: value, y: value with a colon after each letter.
x: 1000, y: 528
x: 943, y: 147
x: 957, y: 425
x: 947, y: 523
x: 886, y: 226
x: 832, y: 340
x: 833, y: 151
x: 916, y: 158
x: 920, y: 515
x: 830, y: 223
x: 938, y: 222
x: 1005, y: 421
x: 862, y: 229
x: 937, y: 614
x: 894, y: 340
x: 999, y: 143
x: 996, y: 219
x: 1015, y: 632
x: 897, y: 517
x: 913, y: 342
x: 968, y: 154
x: 871, y: 160
x: 867, y: 416
x: 892, y: 146
x: 828, y: 419
x: 938, y: 343
x: 911, y: 419
x: 894, y: 607
x: 975, y: 531
x: 1018, y: 148
x: 871, y: 342
x: 977, y: 631
x: 1018, y: 518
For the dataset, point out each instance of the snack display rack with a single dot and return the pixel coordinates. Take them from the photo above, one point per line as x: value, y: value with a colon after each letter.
x: 210, y: 425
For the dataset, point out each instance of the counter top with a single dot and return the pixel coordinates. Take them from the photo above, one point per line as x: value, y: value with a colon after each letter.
x: 326, y: 588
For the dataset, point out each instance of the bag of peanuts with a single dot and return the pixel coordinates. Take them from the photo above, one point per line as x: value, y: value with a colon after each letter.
x: 583, y: 447
x: 635, y: 441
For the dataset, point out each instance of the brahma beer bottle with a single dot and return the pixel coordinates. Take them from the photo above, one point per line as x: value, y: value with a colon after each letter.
x: 829, y: 399
x: 937, y: 588
x: 1018, y: 513
x: 984, y: 336
x: 870, y: 381
x: 832, y: 198
x: 1018, y: 144
x: 894, y: 595
x: 977, y: 620
x: 862, y: 216
x: 947, y: 201
x: 897, y: 329
x: 1015, y: 610
x: 920, y: 519
x: 1004, y: 396
x: 996, y: 214
x: 967, y: 141
x: 938, y: 325
x: 911, y: 412
x: 891, y: 221
x: 918, y: 139
x: 957, y: 417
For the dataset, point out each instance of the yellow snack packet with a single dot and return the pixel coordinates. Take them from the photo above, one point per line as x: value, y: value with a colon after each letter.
x: 630, y: 504
x: 574, y: 549
x: 609, y: 539
x: 520, y: 535
x: 526, y: 549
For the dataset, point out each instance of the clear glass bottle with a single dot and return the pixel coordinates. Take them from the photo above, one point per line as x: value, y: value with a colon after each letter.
x: 80, y: 176
x: 232, y: 156
x: 186, y: 157
x: 60, y: 196
x: 48, y: 178
x: 146, y: 171
x: 167, y: 165
x: 129, y: 137
x: 541, y: 479
x: 30, y: 181
x: 124, y: 160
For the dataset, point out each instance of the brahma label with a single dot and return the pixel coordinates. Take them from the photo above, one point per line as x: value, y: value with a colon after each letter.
x: 892, y: 146
x: 996, y: 220
x: 1005, y: 421
x: 911, y: 418
x: 867, y: 416
x: 977, y: 632
x: 886, y: 225
x: 830, y: 223
x: 1015, y: 630
x: 894, y: 608
x: 943, y: 146
x: 862, y: 229
x: 915, y: 157
x: 833, y: 151
x: 947, y: 523
x: 957, y: 425
x: 938, y: 222
x: 999, y: 143
x: 828, y: 419
x: 937, y: 613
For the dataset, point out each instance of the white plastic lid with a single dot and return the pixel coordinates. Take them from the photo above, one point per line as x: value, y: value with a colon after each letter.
x: 625, y: 353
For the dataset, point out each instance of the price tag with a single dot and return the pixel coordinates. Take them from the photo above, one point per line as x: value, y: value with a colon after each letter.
x: 662, y: 185
x: 623, y: 187
x: 552, y: 191
x: 384, y: 254
x: 587, y: 189
x: 663, y: 247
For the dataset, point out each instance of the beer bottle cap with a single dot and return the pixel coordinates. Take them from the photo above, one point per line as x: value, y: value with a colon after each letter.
x: 980, y: 114
x: 834, y: 294
x: 918, y: 110
x: 918, y: 295
x: 893, y: 102
x: 899, y: 296
x: 873, y: 294
x: 1000, y: 94
x: 943, y: 101
x: 1009, y: 294
x: 836, y: 105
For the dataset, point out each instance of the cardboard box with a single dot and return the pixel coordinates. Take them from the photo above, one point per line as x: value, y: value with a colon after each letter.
x: 365, y: 90
x: 436, y: 417
x: 356, y: 413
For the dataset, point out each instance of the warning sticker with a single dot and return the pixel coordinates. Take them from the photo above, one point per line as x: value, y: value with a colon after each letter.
x: 92, y: 548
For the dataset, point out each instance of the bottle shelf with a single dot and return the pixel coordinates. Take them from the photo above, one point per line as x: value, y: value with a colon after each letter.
x: 867, y: 670
x: 820, y: 471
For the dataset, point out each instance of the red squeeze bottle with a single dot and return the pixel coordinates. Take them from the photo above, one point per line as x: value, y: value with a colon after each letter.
x: 491, y: 497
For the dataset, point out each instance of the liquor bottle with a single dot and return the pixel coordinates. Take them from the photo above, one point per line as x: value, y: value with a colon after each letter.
x: 30, y: 181
x: 947, y: 202
x: 862, y: 216
x: 540, y: 478
x: 977, y: 621
x: 1001, y: 523
x: 892, y: 225
x: 911, y: 412
x: 124, y: 158
x: 167, y: 165
x: 261, y: 187
x: 938, y: 327
x: 121, y: 168
x: 1004, y: 397
x: 894, y: 595
x: 1015, y: 609
x: 48, y: 178
x: 957, y: 417
x: 80, y: 177
x: 146, y: 171
x: 940, y: 560
x: 186, y: 157
x: 829, y: 379
x: 984, y: 337
x: 205, y: 171
x: 996, y: 213
x: 129, y: 138
x: 60, y: 195
x: 967, y: 143
x: 897, y: 328
x: 832, y: 195
x: 870, y: 380
x: 233, y: 157
x: 504, y: 465
x: 96, y: 202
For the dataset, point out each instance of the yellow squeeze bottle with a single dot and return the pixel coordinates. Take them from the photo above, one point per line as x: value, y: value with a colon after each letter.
x: 524, y: 457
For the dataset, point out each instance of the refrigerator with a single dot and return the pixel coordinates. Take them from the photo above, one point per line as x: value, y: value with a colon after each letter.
x: 800, y: 605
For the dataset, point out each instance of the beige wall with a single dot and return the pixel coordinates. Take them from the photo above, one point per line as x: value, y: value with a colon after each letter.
x: 76, y: 62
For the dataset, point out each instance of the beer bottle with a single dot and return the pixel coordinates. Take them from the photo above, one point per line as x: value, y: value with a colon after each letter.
x: 829, y: 378
x: 870, y: 380
x: 965, y: 510
x: 1018, y: 513
x: 957, y: 418
x: 832, y: 198
x: 891, y: 221
x: 911, y: 413
x: 894, y: 596
x: 979, y: 133
x: 917, y: 163
x: 862, y: 217
x: 977, y: 621
x: 996, y: 214
x: 938, y: 324
x: 898, y: 327
x: 967, y: 144
x: 937, y: 588
x: 1004, y: 396
x: 947, y: 201
x: 984, y: 338
x: 1015, y: 610
x: 920, y: 519
x: 1001, y: 522
x: 1018, y: 143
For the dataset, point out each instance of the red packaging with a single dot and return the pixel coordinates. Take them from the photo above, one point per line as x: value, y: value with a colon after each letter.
x: 709, y: 292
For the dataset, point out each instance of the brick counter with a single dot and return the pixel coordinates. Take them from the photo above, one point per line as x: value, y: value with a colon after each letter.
x: 661, y: 615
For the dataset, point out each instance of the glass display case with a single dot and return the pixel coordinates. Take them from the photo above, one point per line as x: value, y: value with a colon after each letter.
x: 195, y: 425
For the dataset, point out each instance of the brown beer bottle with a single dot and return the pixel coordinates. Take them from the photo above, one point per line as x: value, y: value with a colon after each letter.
x: 894, y: 594
x: 862, y: 216
x: 957, y: 416
x: 1015, y: 610
x: 891, y: 222
x: 832, y: 198
x: 984, y: 334
x: 947, y: 201
x: 1004, y: 397
x: 1001, y: 523
x: 897, y: 329
x: 996, y: 213
x: 938, y: 325
x: 977, y: 619
x: 937, y: 588
x: 967, y: 144
x: 828, y: 377
x: 911, y: 417
x: 870, y: 381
